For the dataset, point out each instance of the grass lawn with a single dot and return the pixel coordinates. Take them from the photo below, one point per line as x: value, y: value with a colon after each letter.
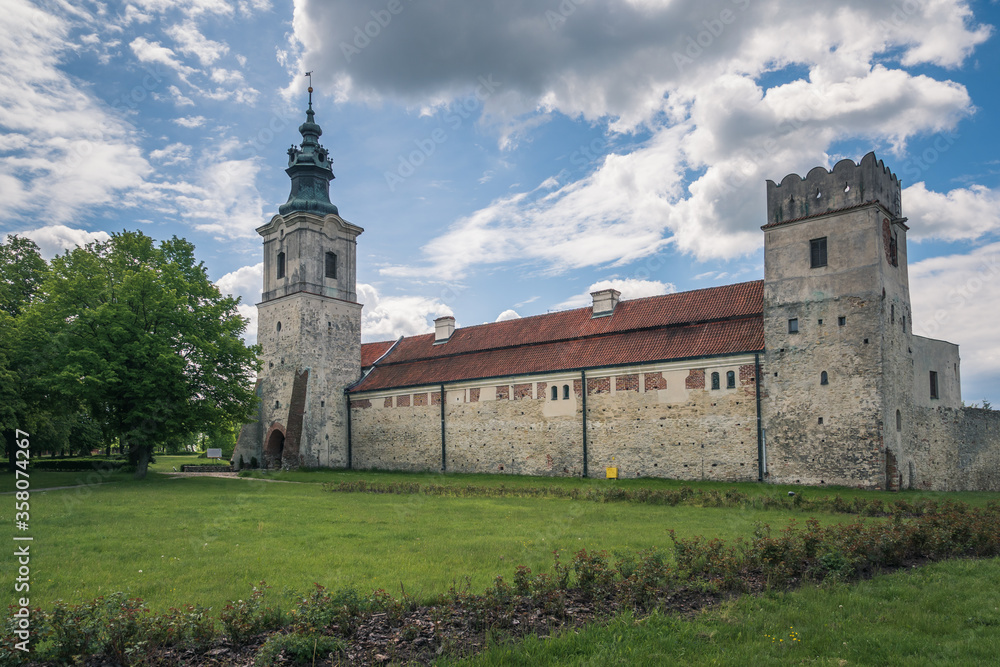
x: 205, y: 540
x: 942, y: 614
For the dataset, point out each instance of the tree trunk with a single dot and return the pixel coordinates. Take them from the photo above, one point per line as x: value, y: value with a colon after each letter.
x: 142, y: 461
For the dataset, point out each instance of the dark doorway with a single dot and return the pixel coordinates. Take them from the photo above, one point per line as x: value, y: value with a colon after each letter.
x: 274, y: 448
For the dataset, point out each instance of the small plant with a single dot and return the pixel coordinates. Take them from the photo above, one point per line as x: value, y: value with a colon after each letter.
x: 297, y: 649
x: 247, y: 618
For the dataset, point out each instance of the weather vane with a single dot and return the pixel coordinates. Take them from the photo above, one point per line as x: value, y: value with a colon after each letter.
x: 310, y: 75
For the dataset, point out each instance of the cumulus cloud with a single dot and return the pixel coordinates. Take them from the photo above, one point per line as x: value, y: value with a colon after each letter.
x: 960, y: 214
x: 245, y: 282
x: 155, y: 53
x: 70, y: 152
x: 389, y: 317
x: 191, y: 42
x: 630, y: 288
x: 956, y: 298
x: 56, y: 239
x: 508, y: 314
x: 687, y: 73
x: 225, y: 202
x: 190, y: 121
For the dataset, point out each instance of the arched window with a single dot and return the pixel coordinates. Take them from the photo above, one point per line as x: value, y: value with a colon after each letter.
x: 715, y: 380
x: 331, y: 265
x: 730, y: 380
x: 824, y: 378
x: 555, y: 393
x: 281, y: 265
x: 899, y: 421
x: 279, y: 326
x: 565, y: 392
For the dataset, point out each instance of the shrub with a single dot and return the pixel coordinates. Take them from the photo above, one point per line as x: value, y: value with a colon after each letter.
x: 244, y: 619
x: 297, y: 649
x: 323, y: 611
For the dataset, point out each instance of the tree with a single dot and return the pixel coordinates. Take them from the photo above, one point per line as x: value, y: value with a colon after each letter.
x: 139, y: 334
x: 22, y: 270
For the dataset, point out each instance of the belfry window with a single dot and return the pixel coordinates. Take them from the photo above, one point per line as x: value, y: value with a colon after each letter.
x: 281, y: 266
x: 817, y: 253
x: 331, y: 265
x: 715, y: 380
x: 730, y: 380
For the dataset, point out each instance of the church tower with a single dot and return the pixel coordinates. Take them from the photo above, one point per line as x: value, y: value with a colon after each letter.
x: 839, y: 360
x: 309, y: 320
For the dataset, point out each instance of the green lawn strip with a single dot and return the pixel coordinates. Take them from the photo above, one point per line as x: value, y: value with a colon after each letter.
x: 205, y: 540
x: 942, y: 613
x: 44, y: 479
x: 514, y: 481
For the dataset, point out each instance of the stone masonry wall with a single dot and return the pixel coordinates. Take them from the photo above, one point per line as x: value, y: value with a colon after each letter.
x: 956, y: 449
x: 644, y: 421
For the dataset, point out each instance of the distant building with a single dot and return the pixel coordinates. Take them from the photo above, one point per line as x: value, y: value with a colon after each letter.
x: 812, y: 375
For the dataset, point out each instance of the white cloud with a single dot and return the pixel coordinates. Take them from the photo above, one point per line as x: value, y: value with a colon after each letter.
x: 389, y: 317
x: 962, y: 213
x: 153, y: 52
x: 508, y: 314
x: 56, y: 239
x: 190, y: 121
x: 245, y: 282
x: 179, y: 99
x: 225, y: 202
x: 171, y: 154
x: 71, y: 153
x: 630, y: 288
x: 191, y: 42
x: 957, y: 298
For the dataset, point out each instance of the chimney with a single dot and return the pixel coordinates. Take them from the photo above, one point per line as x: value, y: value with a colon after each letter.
x: 444, y: 327
x: 605, y: 301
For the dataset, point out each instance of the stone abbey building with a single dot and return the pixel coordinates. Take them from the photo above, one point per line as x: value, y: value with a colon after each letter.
x: 812, y: 375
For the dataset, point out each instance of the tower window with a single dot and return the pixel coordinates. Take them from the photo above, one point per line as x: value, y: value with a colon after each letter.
x: 824, y: 378
x: 817, y: 252
x: 715, y: 380
x: 894, y: 250
x: 279, y: 326
x: 793, y: 325
x: 565, y: 392
x: 555, y: 393
x: 281, y: 266
x: 331, y: 265
x: 730, y: 380
x: 841, y: 321
x: 903, y: 320
x: 892, y: 313
x: 899, y: 421
x: 934, y: 385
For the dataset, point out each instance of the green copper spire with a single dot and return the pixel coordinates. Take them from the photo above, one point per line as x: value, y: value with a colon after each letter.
x: 310, y: 170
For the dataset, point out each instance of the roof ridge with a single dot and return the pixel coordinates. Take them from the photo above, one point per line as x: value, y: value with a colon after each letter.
x: 595, y: 336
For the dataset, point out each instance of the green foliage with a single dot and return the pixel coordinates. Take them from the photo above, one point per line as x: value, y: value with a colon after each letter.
x: 296, y: 649
x: 139, y: 334
x: 244, y: 619
x: 22, y: 271
x: 322, y: 611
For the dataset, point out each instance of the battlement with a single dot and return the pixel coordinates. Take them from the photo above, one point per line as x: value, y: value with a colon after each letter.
x: 822, y: 191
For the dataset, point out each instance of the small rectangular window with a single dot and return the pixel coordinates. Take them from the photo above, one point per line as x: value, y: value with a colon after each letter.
x: 793, y: 325
x: 817, y: 252
x: 331, y: 265
x: 934, y: 385
x: 841, y: 321
x: 281, y: 265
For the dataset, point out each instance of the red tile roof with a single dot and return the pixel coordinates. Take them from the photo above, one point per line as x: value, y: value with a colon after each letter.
x: 370, y: 352
x: 700, y: 323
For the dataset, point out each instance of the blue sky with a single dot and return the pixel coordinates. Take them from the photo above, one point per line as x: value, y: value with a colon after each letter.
x: 507, y: 157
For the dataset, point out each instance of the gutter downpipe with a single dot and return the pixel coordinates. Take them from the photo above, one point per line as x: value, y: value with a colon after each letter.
x: 443, y: 451
x: 349, y: 453
x: 583, y: 376
x: 761, y: 455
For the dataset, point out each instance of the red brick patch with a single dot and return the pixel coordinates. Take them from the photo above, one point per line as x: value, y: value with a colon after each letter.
x: 695, y: 379
x: 599, y: 386
x: 387, y: 403
x: 420, y: 399
x: 540, y: 390
x: 578, y: 388
x: 503, y: 392
x: 474, y: 395
x: 655, y: 381
x: 522, y: 391
x: 403, y: 401
x: 363, y: 403
x: 627, y: 383
x: 747, y: 375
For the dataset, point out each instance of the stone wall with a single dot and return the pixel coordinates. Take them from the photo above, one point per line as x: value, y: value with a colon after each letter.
x: 956, y: 449
x: 646, y: 421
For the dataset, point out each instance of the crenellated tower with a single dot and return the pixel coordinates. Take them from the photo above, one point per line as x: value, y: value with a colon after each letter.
x: 838, y: 327
x: 309, y: 320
